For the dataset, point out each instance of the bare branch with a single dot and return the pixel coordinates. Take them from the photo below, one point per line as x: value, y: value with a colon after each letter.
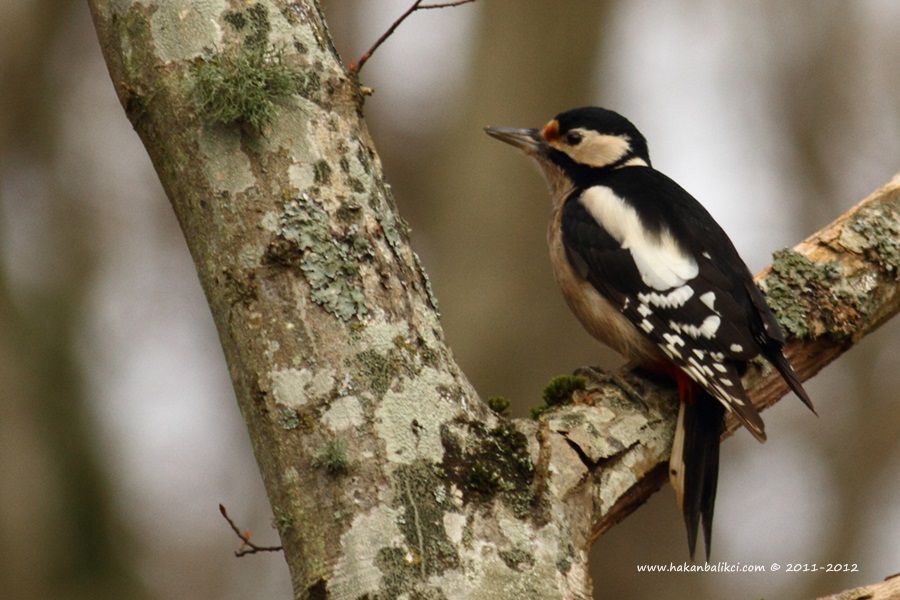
x: 444, y: 4
x: 247, y: 547
x: 417, y: 5
x: 889, y: 589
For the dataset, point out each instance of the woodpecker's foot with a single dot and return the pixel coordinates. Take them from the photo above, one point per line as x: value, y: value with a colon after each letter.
x: 597, y: 377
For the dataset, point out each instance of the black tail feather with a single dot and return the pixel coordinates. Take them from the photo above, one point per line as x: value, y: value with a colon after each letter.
x: 704, y: 419
x: 777, y: 358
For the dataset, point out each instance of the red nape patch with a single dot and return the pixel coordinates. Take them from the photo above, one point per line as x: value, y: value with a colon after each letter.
x: 684, y: 381
x: 550, y: 131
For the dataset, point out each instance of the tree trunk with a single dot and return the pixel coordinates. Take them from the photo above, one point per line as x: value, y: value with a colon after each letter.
x: 387, y: 475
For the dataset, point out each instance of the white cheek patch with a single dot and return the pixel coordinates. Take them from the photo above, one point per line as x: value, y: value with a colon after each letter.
x: 660, y: 260
x: 595, y: 149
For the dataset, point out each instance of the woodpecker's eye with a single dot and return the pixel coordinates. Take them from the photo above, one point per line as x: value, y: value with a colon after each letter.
x: 573, y: 138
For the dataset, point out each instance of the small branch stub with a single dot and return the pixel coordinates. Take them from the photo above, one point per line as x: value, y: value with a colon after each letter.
x: 247, y: 547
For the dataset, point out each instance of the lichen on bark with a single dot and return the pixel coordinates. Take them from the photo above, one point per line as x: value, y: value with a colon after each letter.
x: 329, y: 261
x: 874, y: 232
x: 811, y: 299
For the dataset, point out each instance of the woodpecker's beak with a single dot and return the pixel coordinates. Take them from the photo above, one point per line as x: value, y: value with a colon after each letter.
x: 527, y: 140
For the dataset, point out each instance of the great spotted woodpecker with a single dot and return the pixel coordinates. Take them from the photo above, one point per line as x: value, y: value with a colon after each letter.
x: 649, y: 272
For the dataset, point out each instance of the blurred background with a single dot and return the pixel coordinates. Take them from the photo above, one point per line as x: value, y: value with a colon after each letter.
x: 119, y: 433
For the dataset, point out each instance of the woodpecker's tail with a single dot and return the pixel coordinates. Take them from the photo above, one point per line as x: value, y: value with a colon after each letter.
x: 777, y: 358
x: 694, y: 464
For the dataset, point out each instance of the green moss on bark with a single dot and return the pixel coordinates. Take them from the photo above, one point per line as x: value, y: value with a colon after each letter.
x: 379, y: 370
x: 491, y: 463
x: 559, y: 391
x: 499, y: 405
x: 242, y: 86
x: 332, y: 457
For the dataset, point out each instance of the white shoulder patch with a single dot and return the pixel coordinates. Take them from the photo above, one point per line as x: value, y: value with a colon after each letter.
x: 661, y: 262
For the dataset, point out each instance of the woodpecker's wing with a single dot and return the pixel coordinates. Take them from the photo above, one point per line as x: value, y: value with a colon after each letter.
x: 655, y: 253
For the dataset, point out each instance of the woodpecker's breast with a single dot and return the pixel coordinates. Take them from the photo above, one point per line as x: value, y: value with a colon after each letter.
x: 597, y: 314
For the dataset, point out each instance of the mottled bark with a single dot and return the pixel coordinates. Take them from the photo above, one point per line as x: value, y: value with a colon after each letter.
x: 387, y: 474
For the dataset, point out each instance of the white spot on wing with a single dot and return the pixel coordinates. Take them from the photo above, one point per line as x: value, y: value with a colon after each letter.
x: 644, y: 310
x: 646, y: 325
x: 707, y: 329
x: 736, y: 348
x: 673, y: 339
x: 709, y: 299
x: 696, y: 373
x: 660, y: 260
x: 673, y: 299
x: 671, y: 345
x: 710, y: 326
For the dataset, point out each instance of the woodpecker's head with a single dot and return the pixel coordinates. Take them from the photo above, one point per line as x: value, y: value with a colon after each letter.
x: 575, y: 146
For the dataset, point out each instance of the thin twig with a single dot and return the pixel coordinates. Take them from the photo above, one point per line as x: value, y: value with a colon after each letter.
x: 247, y: 547
x: 444, y: 4
x: 417, y: 5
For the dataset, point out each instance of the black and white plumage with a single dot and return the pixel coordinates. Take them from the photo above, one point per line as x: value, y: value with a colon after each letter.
x: 648, y: 271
